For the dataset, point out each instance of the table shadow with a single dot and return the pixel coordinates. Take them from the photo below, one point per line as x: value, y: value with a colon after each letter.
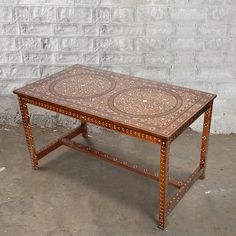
x: 124, y: 187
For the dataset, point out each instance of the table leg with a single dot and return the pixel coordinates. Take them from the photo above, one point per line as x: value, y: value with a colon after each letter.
x: 164, y: 177
x: 85, y: 129
x: 205, y: 139
x: 28, y: 132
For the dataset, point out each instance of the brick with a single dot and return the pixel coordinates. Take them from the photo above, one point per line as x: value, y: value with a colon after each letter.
x: 90, y: 29
x: 82, y: 44
x: 151, y: 14
x: 9, y: 28
x: 187, y: 44
x: 65, y: 14
x: 224, y: 44
x: 50, y: 69
x: 184, y: 58
x: 198, y: 2
x: 122, y: 30
x: 91, y: 58
x: 102, y: 14
x: 188, y: 14
x: 160, y: 59
x: 2, y: 57
x: 125, y: 2
x: 115, y: 44
x: 7, y: 43
x: 8, y: 2
x: 216, y: 2
x: 117, y: 68
x: 37, y: 58
x: 195, y: 84
x: 69, y: 58
x: 5, y: 71
x: 210, y: 59
x: 226, y: 91
x: 153, y: 73
x: 123, y: 15
x: 45, y: 2
x: 49, y: 43
x: 74, y: 15
x: 187, y: 30
x: 108, y: 58
x: 232, y: 30
x: 207, y: 2
x: 180, y: 2
x: 213, y: 30
x: 10, y: 57
x: 38, y: 43
x: 37, y: 29
x: 21, y: 13
x: 21, y: 71
x: 87, y: 2
x: 31, y: 2
x: 160, y: 30
x: 183, y: 73
x: 43, y: 14
x: 219, y: 14
x: 216, y: 75
x: 13, y: 57
x: 124, y: 44
x: 230, y: 2
x: 68, y: 29
x: 5, y: 13
x: 29, y: 43
x: 231, y: 59
x: 151, y: 44
x: 231, y: 17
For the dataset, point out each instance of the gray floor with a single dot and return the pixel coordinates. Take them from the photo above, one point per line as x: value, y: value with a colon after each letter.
x: 73, y: 194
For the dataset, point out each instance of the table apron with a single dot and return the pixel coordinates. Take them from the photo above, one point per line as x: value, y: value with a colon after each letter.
x: 125, y: 129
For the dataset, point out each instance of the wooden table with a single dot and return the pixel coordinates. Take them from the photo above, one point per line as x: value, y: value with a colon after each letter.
x: 146, y: 109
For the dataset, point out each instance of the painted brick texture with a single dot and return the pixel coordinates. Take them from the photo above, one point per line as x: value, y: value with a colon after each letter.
x: 190, y: 43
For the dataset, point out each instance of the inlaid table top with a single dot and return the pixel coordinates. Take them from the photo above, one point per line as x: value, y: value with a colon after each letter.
x: 152, y: 107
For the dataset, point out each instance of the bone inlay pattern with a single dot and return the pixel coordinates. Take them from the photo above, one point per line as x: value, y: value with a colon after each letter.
x: 82, y: 86
x: 149, y: 110
x: 156, y: 108
x: 145, y: 102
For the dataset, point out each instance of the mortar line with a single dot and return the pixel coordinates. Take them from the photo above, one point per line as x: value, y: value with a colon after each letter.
x: 99, y: 35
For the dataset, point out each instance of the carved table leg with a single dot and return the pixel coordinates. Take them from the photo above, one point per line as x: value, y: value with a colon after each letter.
x: 164, y: 177
x: 85, y: 129
x: 28, y: 132
x: 205, y: 139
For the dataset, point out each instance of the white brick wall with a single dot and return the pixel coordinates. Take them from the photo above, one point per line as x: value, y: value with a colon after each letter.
x: 185, y: 42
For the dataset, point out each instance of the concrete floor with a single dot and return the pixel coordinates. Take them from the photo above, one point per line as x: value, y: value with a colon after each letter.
x: 73, y: 194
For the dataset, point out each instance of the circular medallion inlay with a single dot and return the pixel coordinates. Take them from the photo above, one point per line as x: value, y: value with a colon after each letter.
x: 145, y: 102
x: 82, y: 86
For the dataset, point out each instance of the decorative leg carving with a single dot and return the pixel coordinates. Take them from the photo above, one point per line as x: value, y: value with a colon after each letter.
x: 85, y: 129
x: 205, y: 139
x: 28, y: 132
x: 164, y: 177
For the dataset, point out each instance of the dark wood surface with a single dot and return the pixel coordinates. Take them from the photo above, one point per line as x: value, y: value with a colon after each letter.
x: 156, y: 108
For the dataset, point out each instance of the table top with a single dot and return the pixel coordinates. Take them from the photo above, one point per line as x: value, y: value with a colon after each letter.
x: 155, y: 108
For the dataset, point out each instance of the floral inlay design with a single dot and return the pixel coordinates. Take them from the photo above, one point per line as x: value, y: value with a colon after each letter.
x: 82, y: 86
x: 145, y: 102
x: 149, y: 106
